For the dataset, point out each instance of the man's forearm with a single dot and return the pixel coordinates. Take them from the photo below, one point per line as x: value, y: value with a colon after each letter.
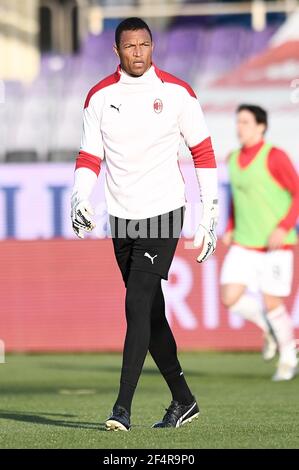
x: 86, y: 173
x: 84, y: 182
x: 208, y: 186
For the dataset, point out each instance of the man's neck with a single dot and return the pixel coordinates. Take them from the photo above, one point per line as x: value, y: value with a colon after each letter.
x: 253, y: 143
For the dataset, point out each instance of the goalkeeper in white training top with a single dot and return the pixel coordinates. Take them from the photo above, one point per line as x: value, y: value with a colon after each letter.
x: 134, y: 120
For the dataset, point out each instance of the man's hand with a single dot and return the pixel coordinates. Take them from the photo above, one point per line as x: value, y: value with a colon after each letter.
x: 206, y: 237
x: 277, y: 238
x: 228, y: 237
x: 80, y: 214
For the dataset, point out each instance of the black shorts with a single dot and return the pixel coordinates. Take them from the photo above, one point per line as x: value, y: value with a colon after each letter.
x: 146, y: 244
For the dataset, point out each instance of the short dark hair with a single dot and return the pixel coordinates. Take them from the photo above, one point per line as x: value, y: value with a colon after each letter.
x: 259, y: 113
x: 130, y: 24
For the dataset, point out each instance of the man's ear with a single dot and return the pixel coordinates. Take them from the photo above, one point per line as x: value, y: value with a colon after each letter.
x: 263, y: 128
x: 153, y: 46
x: 115, y: 50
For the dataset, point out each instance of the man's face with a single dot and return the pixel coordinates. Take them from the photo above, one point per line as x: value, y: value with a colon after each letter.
x: 248, y: 130
x: 135, y: 51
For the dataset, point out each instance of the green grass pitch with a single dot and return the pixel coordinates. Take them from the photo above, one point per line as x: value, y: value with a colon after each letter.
x: 62, y: 400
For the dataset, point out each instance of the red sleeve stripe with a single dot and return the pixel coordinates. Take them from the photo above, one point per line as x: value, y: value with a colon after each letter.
x: 86, y: 160
x: 110, y: 80
x: 203, y: 154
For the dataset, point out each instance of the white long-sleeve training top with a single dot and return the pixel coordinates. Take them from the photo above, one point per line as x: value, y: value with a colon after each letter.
x: 136, y: 124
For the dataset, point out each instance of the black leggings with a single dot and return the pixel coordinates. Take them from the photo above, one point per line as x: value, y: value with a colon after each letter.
x: 162, y: 345
x: 147, y: 329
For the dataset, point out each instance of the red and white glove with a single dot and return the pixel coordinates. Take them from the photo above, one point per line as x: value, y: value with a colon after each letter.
x: 205, y: 235
x: 81, y: 209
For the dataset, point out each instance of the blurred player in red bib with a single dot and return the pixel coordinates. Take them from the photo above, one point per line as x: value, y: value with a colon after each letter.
x: 261, y: 234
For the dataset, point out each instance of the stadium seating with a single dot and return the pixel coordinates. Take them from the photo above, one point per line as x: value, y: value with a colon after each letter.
x: 46, y: 115
x: 21, y: 156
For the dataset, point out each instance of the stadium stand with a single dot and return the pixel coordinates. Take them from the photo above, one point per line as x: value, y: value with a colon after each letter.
x: 46, y: 114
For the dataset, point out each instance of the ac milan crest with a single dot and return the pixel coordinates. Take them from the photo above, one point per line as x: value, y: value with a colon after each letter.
x: 158, y: 105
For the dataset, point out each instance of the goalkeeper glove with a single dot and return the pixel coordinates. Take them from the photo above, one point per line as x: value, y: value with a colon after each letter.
x: 205, y: 235
x: 81, y: 210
